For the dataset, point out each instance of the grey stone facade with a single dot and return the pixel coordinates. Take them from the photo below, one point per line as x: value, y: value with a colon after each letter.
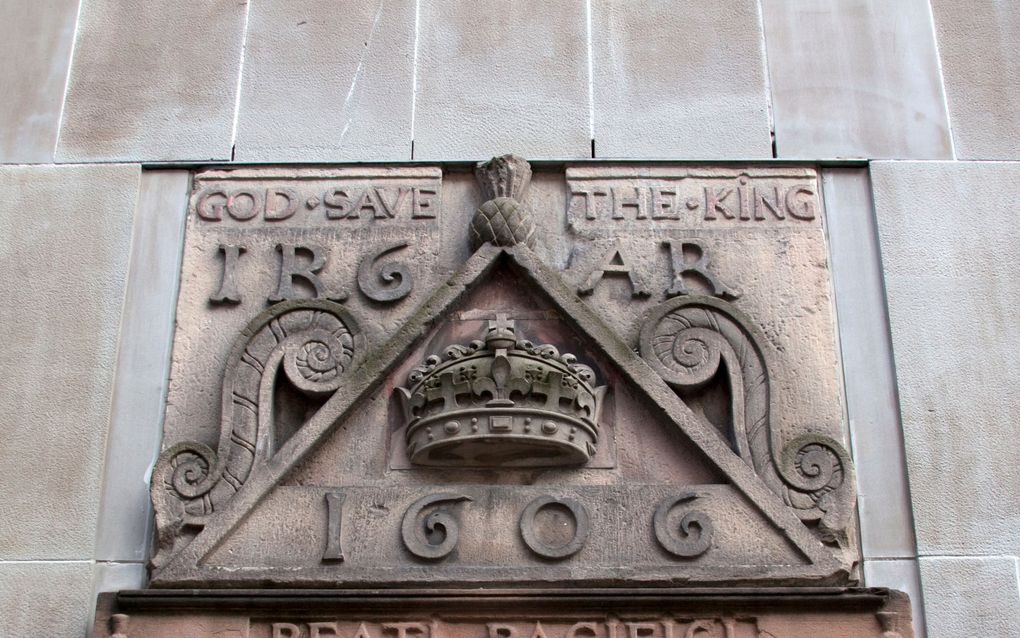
x: 108, y: 105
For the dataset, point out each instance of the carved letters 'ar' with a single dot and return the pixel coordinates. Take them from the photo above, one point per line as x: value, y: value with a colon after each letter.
x: 582, y: 386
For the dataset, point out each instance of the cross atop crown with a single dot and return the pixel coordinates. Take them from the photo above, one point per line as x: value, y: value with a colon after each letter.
x: 502, y: 323
x: 502, y: 333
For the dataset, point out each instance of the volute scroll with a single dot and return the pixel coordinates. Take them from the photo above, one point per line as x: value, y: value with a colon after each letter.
x: 315, y: 343
x: 690, y: 342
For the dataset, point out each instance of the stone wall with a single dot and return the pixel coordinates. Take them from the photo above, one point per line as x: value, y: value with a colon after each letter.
x: 105, y: 104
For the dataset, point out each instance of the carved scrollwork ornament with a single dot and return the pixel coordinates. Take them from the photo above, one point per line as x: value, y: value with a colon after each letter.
x: 315, y: 360
x: 696, y: 529
x: 191, y: 464
x: 690, y: 358
x: 316, y: 343
x: 582, y: 528
x: 819, y: 471
x: 689, y: 342
x: 417, y: 530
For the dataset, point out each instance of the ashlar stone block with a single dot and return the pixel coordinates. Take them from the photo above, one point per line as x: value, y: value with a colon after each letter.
x: 949, y: 237
x: 66, y: 237
x: 966, y: 596
x: 679, y: 80
x: 45, y: 599
x: 884, y: 507
x: 34, y: 54
x: 496, y: 77
x: 857, y: 78
x: 326, y: 85
x: 153, y: 81
x: 143, y: 366
x: 979, y: 42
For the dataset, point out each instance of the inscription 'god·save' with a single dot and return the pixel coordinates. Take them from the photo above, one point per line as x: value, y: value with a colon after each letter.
x: 217, y: 203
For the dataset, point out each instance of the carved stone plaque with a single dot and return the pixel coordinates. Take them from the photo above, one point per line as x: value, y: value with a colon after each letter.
x: 603, y: 376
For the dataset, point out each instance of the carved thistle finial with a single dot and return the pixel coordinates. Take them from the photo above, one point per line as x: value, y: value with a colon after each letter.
x: 506, y: 176
x: 503, y: 220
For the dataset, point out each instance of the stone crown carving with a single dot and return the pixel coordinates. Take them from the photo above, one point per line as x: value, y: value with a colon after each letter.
x: 501, y: 402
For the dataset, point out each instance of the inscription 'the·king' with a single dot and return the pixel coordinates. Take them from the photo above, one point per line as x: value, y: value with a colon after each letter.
x: 739, y: 201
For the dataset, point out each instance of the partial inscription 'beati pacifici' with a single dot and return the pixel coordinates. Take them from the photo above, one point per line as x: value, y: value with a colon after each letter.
x: 466, y: 615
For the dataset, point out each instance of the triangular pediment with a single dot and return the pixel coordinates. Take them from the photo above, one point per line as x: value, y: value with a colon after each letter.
x: 636, y: 442
x: 337, y: 496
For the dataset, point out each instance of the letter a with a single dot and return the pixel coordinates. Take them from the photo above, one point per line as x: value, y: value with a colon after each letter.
x: 615, y: 262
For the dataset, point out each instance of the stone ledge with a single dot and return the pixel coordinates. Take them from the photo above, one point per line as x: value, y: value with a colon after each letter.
x: 506, y: 613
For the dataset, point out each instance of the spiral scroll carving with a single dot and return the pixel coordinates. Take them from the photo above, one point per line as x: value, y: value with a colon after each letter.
x: 316, y: 343
x: 820, y: 476
x: 315, y: 360
x: 695, y: 528
x: 689, y: 341
x: 191, y: 463
x: 416, y: 530
x: 687, y: 356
